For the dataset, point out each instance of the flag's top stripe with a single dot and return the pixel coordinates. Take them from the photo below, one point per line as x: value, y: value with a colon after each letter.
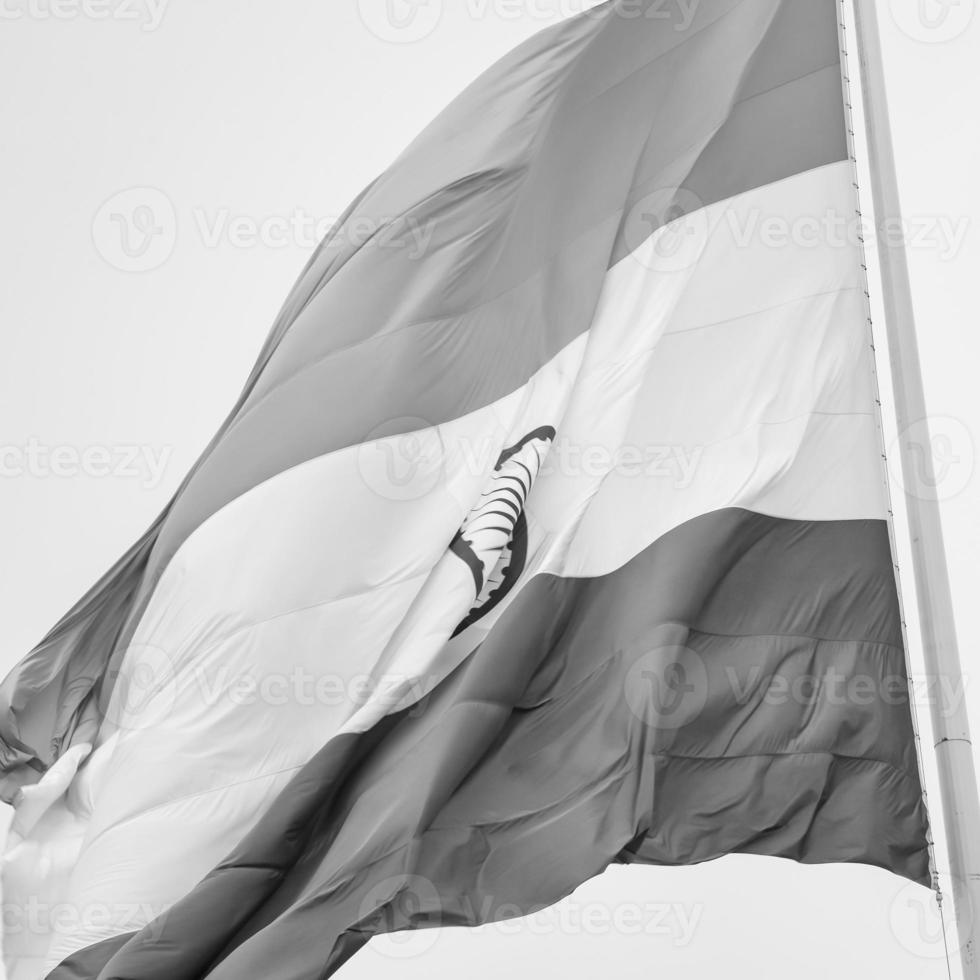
x: 788, y: 118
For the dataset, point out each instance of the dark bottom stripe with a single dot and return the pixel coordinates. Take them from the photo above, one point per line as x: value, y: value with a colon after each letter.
x: 738, y: 687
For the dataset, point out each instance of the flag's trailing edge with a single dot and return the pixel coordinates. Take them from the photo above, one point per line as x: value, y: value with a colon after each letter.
x: 558, y: 542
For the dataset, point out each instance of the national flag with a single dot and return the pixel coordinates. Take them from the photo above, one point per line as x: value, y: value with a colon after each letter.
x: 561, y: 542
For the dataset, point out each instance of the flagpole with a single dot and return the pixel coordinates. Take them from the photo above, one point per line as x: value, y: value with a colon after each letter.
x: 954, y: 750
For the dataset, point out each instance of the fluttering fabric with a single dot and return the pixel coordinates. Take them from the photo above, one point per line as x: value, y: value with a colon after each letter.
x: 559, y: 541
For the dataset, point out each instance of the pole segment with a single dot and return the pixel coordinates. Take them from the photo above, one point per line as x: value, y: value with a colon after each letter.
x: 954, y: 750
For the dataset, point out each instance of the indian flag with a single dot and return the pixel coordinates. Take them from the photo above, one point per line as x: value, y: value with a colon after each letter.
x: 559, y: 541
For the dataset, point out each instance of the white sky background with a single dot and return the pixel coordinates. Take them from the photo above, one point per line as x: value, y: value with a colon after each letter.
x: 243, y: 109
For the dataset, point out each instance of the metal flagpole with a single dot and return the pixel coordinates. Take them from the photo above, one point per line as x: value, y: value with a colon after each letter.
x: 954, y: 750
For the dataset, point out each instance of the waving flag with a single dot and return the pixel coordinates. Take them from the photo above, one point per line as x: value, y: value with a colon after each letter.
x: 560, y: 542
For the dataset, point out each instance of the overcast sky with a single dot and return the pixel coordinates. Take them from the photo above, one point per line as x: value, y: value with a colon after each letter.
x: 242, y: 125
